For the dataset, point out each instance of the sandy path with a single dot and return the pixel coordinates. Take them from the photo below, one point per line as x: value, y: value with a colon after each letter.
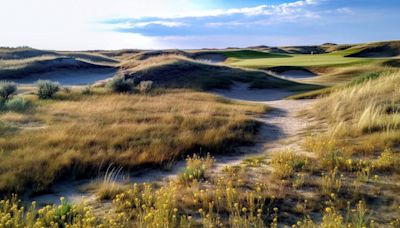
x: 281, y: 127
x: 279, y: 131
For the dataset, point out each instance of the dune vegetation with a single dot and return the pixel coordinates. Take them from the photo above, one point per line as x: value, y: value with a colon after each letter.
x: 77, y: 135
x: 156, y: 111
x: 181, y: 72
x: 22, y: 62
x: 367, y: 108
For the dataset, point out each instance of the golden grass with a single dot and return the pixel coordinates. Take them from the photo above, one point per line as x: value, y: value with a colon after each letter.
x: 77, y: 136
x: 357, y: 155
x: 368, y: 109
x: 21, y: 63
x: 153, y: 62
x: 286, y: 163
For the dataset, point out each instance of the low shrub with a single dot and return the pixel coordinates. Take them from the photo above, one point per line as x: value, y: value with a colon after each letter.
x: 47, y: 89
x: 387, y: 161
x: 87, y: 91
x: 196, y: 168
x: 121, y: 85
x: 145, y: 86
x: 331, y: 182
x: 286, y: 163
x: 17, y: 104
x: 7, y: 90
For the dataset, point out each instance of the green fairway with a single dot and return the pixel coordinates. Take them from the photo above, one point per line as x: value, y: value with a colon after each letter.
x: 299, y: 60
x: 251, y: 54
x: 332, y: 68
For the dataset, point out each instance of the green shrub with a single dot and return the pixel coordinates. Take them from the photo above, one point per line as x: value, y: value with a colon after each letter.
x: 121, y: 85
x: 7, y: 89
x: 17, y: 104
x: 87, y: 91
x: 145, y: 86
x: 196, y: 168
x: 47, y: 89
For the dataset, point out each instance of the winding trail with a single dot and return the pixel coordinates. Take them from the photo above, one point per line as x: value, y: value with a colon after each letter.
x: 280, y: 130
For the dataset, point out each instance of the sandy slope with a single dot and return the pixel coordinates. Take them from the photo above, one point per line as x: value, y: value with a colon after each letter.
x: 69, y: 77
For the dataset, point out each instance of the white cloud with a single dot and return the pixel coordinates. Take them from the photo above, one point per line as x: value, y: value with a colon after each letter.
x: 279, y: 9
x: 170, y: 24
x: 72, y: 24
x: 244, y: 40
x: 344, y: 10
x: 285, y: 12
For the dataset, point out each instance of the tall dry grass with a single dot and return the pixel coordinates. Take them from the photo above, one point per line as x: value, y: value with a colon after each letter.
x: 370, y: 109
x: 75, y: 137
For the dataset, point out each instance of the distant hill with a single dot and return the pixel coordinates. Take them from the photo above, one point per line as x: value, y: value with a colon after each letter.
x: 380, y: 49
x: 180, y: 71
x: 21, y: 68
x: 21, y: 62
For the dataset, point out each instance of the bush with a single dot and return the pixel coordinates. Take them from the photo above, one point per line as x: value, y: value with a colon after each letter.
x: 145, y: 86
x: 17, y: 104
x: 87, y: 91
x: 286, y: 163
x: 196, y: 168
x: 47, y: 89
x: 7, y: 89
x: 121, y: 85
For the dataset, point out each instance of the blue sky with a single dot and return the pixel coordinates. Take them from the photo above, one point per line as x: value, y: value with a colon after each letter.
x: 106, y: 24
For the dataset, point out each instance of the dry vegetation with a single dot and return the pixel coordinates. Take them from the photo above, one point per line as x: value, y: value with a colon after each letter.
x: 76, y: 135
x: 368, y: 110
x: 22, y: 62
x: 179, y: 71
x: 359, y: 153
x: 347, y: 176
x: 344, y: 184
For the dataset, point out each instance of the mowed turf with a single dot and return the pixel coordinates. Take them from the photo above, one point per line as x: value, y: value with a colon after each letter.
x: 332, y: 68
x: 299, y: 60
x: 251, y: 54
x: 77, y: 135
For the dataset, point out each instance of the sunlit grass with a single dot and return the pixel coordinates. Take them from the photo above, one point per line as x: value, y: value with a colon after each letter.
x: 75, y: 137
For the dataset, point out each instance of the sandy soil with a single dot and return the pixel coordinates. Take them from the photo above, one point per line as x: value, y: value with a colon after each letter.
x: 209, y: 57
x: 297, y: 74
x: 281, y: 125
x: 280, y: 131
x: 69, y: 77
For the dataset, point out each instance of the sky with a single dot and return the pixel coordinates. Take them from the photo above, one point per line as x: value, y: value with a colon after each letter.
x: 187, y: 24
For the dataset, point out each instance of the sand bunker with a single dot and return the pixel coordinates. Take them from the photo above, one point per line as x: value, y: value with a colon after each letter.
x: 209, y: 57
x: 69, y: 77
x: 297, y: 74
